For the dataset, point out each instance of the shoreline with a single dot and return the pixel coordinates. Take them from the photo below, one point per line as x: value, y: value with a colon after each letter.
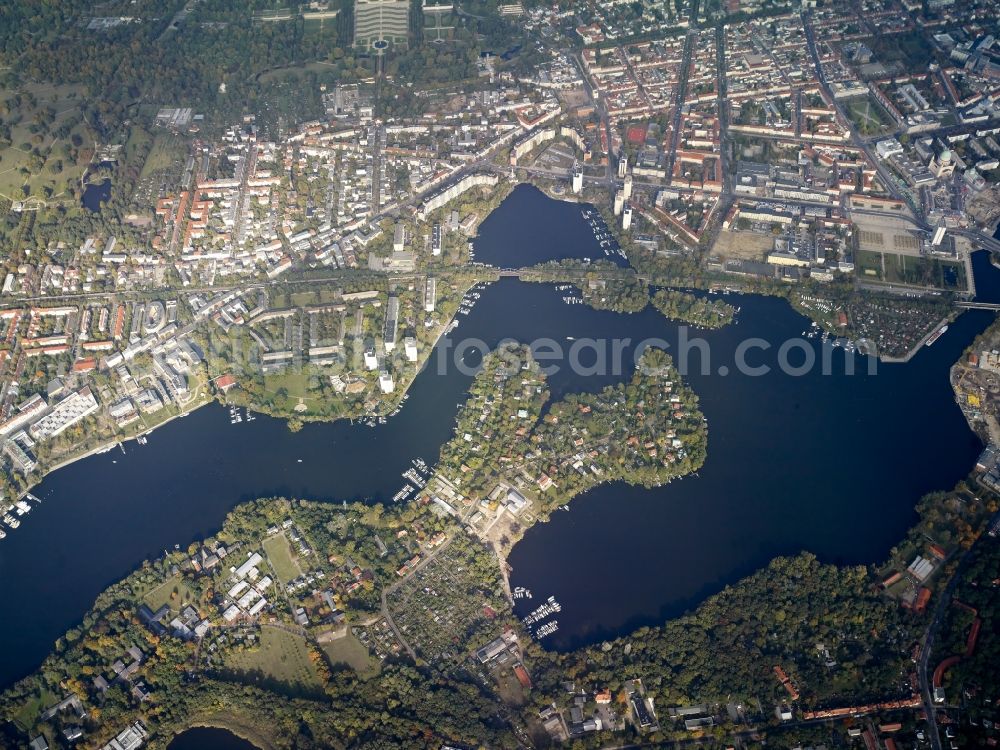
x: 110, y: 444
x: 502, y: 557
x: 946, y: 320
x: 229, y: 724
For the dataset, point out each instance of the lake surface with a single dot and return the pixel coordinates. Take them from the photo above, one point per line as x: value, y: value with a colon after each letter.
x: 209, y: 738
x: 529, y: 227
x: 832, y: 464
x: 95, y: 194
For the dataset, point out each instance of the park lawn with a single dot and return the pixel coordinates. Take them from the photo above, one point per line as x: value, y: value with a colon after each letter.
x: 295, y: 72
x: 352, y: 652
x: 907, y: 269
x: 868, y: 115
x: 279, y: 554
x: 867, y: 260
x: 287, y: 387
x: 65, y: 102
x: 27, y: 714
x: 168, y: 149
x: 282, y: 657
x: 157, y: 596
x: 293, y: 382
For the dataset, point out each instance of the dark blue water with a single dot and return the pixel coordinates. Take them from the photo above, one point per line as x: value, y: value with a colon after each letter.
x: 833, y: 464
x: 986, y: 275
x: 529, y: 227
x: 821, y: 464
x: 95, y: 194
x: 209, y: 738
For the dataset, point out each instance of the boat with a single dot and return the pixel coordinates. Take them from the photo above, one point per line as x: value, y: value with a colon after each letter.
x: 547, y: 629
x: 32, y: 497
x: 3, y: 534
x: 937, y: 334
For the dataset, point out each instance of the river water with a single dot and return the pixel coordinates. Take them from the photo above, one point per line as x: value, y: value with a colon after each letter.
x: 209, y: 738
x: 828, y: 463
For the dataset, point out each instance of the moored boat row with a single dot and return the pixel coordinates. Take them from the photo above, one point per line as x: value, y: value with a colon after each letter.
x: 12, y: 512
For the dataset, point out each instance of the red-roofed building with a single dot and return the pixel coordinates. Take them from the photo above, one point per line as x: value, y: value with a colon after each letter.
x: 522, y: 675
x: 85, y: 365
x: 922, y: 598
x: 225, y: 382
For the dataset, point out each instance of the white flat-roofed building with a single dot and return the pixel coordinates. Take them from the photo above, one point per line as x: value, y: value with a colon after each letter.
x: 385, y: 382
x: 30, y: 410
x: 251, y: 564
x: 238, y: 589
x: 65, y: 414
x: 430, y: 295
x: 249, y: 597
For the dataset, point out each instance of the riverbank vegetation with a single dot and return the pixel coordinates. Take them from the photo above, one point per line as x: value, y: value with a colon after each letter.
x: 626, y: 295
x: 645, y: 431
x: 345, y: 678
x: 730, y: 645
x: 690, y: 308
x: 275, y: 678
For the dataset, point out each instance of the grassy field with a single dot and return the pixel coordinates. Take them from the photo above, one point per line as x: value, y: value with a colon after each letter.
x: 318, y: 296
x: 167, y: 150
x: 173, y: 591
x: 282, y: 658
x: 39, y: 156
x: 909, y: 269
x: 866, y: 262
x: 296, y: 71
x: 279, y: 554
x: 868, y: 115
x: 352, y: 652
x: 297, y: 383
x: 28, y: 713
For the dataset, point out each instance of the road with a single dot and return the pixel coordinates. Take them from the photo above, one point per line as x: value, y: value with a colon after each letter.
x: 927, y: 645
x: 602, y: 111
x: 390, y: 589
x: 679, y: 103
x: 888, y: 180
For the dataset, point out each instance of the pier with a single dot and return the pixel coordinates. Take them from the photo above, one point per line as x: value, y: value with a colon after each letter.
x: 978, y: 305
